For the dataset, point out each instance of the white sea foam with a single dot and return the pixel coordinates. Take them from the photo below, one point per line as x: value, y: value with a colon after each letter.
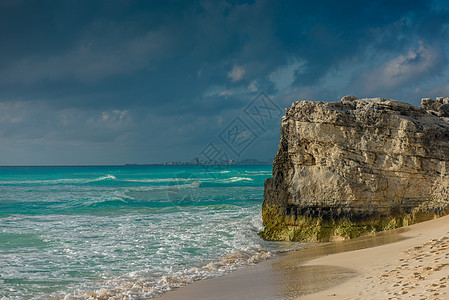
x: 153, y: 180
x: 235, y: 179
x: 162, y: 272
x: 259, y: 172
x: 137, y: 286
x: 44, y: 181
x: 58, y: 181
x: 107, y: 177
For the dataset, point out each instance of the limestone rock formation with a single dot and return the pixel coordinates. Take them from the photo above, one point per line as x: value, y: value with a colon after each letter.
x: 357, y: 166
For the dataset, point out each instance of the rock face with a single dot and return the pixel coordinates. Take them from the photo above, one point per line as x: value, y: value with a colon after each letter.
x: 357, y: 166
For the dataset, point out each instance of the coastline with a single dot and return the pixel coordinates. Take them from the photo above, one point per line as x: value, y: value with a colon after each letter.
x: 408, y: 262
x: 414, y: 268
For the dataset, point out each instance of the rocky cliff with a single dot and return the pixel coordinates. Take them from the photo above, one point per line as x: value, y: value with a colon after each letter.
x: 357, y: 166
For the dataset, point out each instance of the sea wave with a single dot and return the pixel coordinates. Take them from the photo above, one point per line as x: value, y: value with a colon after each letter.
x: 259, y: 172
x: 44, y: 181
x: 104, y: 230
x: 142, y: 287
x: 153, y: 180
x: 59, y: 181
x: 175, y: 181
x: 102, y: 178
x: 226, y: 181
x: 235, y: 179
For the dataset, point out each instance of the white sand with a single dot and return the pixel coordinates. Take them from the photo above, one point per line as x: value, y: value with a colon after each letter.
x: 414, y: 268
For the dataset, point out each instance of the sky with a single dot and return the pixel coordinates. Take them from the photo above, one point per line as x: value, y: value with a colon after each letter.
x: 115, y: 82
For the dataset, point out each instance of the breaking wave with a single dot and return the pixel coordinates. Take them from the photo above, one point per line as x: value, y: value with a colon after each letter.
x: 142, y: 287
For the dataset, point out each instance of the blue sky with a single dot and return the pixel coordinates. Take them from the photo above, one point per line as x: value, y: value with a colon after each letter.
x: 113, y: 82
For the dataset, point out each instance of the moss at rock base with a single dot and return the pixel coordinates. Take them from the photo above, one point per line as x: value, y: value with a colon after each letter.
x: 282, y: 227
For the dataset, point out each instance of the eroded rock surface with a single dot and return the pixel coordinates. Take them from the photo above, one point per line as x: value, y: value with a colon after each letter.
x: 357, y: 166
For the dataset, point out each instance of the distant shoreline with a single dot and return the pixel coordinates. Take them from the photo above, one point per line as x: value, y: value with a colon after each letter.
x: 134, y: 165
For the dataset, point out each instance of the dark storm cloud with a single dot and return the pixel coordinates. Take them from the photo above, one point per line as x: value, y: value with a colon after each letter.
x: 328, y: 33
x: 157, y: 80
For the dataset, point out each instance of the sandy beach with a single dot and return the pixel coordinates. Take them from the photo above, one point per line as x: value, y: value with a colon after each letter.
x: 407, y: 263
x: 414, y: 268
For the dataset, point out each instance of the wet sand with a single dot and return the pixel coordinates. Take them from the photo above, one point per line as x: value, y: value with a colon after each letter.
x: 415, y: 268
x: 340, y: 270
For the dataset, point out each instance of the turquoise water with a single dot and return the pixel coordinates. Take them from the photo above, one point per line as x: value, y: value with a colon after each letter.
x: 80, y: 232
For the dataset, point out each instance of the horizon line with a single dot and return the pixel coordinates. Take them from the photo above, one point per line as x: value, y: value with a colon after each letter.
x: 129, y: 165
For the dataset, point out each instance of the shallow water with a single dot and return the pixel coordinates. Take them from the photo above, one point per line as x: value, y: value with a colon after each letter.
x: 136, y: 231
x: 285, y: 277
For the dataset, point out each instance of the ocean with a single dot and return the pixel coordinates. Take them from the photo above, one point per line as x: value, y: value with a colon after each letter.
x: 126, y: 231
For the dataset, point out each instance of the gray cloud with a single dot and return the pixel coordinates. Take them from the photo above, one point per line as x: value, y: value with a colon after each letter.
x: 145, y: 81
x: 88, y: 63
x: 417, y: 65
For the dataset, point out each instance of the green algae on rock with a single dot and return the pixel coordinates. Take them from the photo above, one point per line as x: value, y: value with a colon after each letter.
x: 358, y: 166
